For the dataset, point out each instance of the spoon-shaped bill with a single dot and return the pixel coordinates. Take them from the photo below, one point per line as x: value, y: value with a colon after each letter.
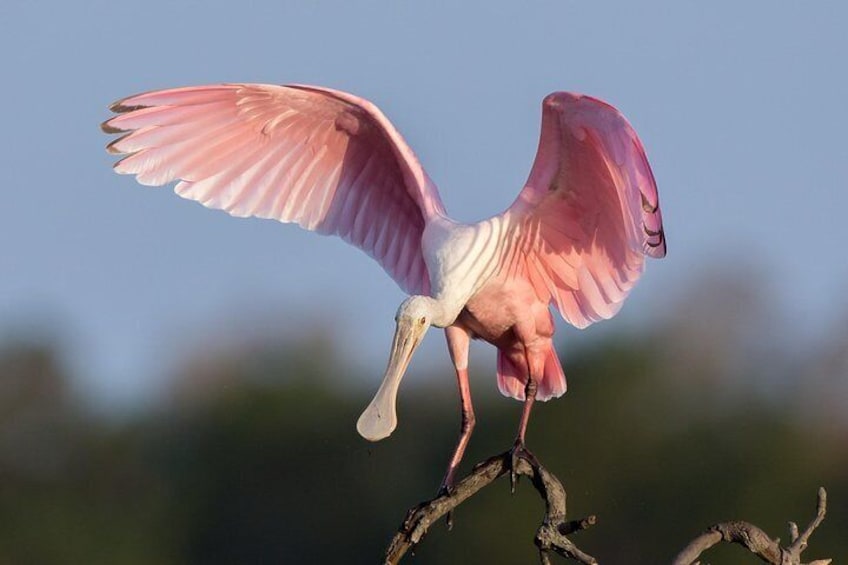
x: 379, y: 420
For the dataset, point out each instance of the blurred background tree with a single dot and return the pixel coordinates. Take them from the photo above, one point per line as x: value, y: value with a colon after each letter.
x: 253, y: 457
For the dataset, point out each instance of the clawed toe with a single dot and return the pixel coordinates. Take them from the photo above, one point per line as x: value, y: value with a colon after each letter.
x: 446, y: 489
x: 518, y: 451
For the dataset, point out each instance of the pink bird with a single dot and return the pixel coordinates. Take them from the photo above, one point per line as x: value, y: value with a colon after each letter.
x: 575, y: 237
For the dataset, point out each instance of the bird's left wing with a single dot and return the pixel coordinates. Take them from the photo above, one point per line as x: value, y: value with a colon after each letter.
x: 324, y: 159
x: 589, y: 213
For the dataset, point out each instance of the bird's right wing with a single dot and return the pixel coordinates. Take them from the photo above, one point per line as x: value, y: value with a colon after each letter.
x: 589, y: 213
x: 326, y: 160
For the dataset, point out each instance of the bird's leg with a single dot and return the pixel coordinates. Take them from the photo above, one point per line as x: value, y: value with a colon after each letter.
x: 458, y: 341
x: 529, y: 398
x: 519, y: 448
x: 467, y: 426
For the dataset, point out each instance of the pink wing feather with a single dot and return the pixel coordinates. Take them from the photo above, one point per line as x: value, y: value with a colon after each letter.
x: 324, y: 159
x: 589, y: 212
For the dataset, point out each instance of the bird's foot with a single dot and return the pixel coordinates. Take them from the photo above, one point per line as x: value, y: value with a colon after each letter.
x: 446, y: 489
x: 518, y: 451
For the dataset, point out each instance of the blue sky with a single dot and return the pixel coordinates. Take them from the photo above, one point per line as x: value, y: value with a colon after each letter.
x: 741, y: 107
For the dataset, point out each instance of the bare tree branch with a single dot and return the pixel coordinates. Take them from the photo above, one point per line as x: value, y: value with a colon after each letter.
x: 757, y: 541
x: 800, y: 543
x: 753, y: 538
x: 551, y: 535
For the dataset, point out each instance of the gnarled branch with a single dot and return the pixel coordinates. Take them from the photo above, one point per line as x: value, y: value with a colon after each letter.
x: 757, y: 541
x: 551, y: 535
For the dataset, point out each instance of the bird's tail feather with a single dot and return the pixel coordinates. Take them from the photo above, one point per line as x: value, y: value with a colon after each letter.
x: 512, y: 378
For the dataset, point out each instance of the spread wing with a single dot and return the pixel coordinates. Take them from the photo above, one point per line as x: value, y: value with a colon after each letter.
x: 589, y: 213
x: 324, y: 159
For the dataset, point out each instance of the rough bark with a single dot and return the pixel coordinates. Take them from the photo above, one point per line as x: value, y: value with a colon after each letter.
x: 757, y: 541
x: 551, y: 535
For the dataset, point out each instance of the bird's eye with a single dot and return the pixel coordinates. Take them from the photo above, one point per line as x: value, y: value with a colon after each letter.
x: 422, y: 320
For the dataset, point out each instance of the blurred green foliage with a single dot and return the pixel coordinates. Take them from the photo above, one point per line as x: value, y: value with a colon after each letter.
x: 254, y: 458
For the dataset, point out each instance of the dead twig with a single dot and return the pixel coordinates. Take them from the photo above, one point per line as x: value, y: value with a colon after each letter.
x: 551, y: 535
x: 757, y: 541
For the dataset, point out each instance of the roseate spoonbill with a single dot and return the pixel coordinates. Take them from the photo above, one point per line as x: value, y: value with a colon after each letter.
x: 331, y: 162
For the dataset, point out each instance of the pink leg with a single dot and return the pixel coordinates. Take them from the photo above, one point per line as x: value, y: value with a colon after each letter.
x: 536, y: 370
x: 536, y: 365
x: 529, y: 398
x: 458, y: 341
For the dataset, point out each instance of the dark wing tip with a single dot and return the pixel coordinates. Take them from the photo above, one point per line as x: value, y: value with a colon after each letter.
x: 111, y: 147
x: 106, y: 127
x: 647, y: 207
x: 656, y: 246
x: 120, y: 107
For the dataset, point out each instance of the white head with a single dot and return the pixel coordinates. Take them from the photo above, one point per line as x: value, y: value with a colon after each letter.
x: 413, y: 318
x: 418, y: 309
